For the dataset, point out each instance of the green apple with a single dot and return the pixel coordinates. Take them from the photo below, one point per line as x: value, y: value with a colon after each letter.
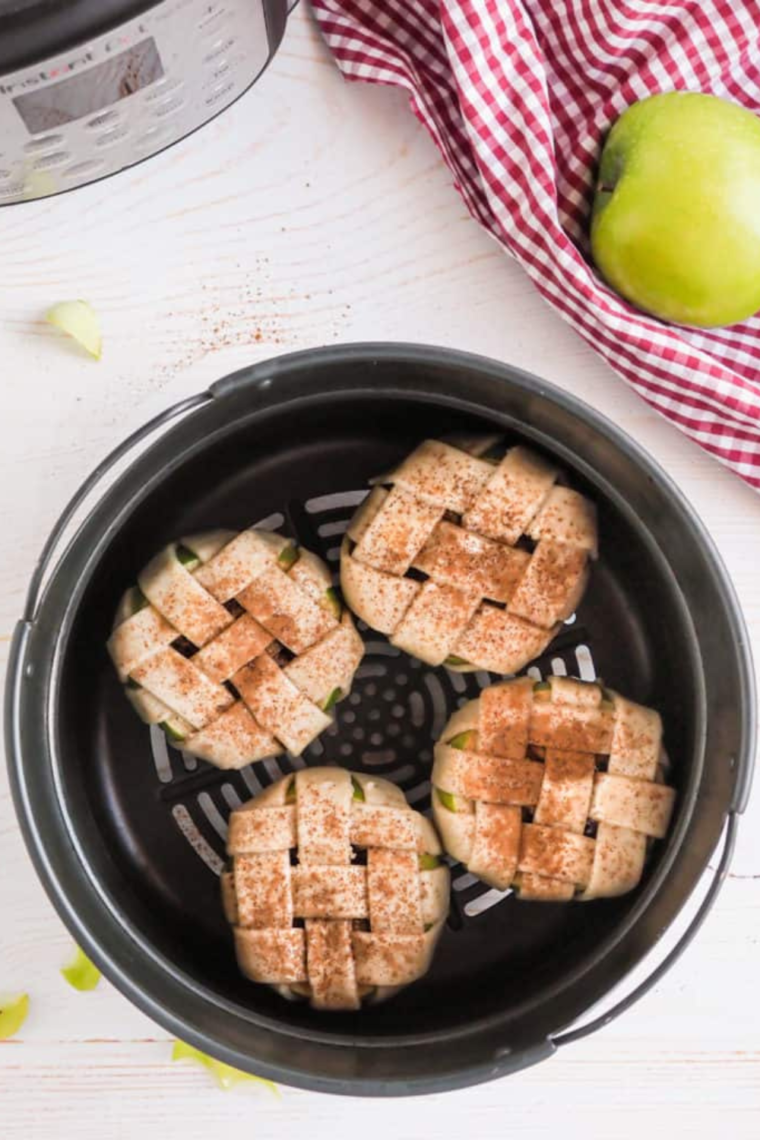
x: 80, y: 972
x: 288, y: 556
x: 333, y: 602
x: 13, y: 1012
x: 225, y: 1075
x: 332, y: 699
x: 676, y: 220
x: 175, y: 734
x: 464, y: 740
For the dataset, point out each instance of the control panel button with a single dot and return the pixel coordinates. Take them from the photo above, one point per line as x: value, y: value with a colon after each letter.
x: 220, y: 48
x: 154, y: 138
x: 161, y: 110
x: 107, y: 119
x: 15, y: 190
x: 82, y: 170
x: 108, y: 138
x: 218, y: 74
x: 217, y: 94
x: 49, y: 161
x: 43, y: 143
x: 213, y: 16
x: 162, y: 89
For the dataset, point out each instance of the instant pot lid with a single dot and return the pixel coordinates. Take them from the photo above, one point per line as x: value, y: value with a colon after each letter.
x: 33, y: 30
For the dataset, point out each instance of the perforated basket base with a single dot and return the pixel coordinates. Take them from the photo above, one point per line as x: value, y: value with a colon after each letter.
x: 160, y: 817
x: 387, y: 725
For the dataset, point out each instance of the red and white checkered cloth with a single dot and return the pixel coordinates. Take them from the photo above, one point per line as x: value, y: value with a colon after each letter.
x: 517, y: 95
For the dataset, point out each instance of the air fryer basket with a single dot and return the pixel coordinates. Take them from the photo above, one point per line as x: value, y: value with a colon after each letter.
x: 128, y: 835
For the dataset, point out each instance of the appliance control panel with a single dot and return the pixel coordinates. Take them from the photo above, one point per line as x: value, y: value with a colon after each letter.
x: 124, y: 96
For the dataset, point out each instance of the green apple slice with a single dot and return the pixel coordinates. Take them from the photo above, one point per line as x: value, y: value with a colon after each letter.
x: 173, y: 734
x: 448, y: 799
x: 464, y: 740
x: 187, y: 557
x: 78, y: 320
x: 288, y: 556
x: 427, y: 861
x: 290, y: 793
x: 334, y: 603
x: 358, y: 790
x: 80, y: 972
x: 137, y: 600
x: 331, y: 701
x: 452, y: 802
x: 453, y: 660
x: 226, y: 1076
x: 13, y: 1014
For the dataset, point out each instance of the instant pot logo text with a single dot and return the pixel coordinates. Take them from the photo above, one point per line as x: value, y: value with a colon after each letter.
x: 111, y: 46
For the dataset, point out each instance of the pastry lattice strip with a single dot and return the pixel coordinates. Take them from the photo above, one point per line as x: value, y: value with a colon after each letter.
x: 430, y: 559
x: 311, y: 921
x: 555, y: 789
x: 236, y: 644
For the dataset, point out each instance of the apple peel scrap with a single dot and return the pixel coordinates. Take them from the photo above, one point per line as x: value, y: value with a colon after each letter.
x: 225, y: 1076
x: 80, y: 972
x: 13, y: 1014
x: 78, y: 320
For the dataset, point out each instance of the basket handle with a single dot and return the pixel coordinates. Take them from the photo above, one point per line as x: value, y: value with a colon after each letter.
x: 51, y: 552
x: 729, y: 842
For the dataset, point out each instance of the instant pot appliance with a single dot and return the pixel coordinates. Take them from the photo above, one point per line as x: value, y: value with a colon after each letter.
x: 89, y: 87
x: 127, y: 834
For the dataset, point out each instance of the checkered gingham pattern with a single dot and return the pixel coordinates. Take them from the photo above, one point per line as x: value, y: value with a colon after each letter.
x: 517, y: 95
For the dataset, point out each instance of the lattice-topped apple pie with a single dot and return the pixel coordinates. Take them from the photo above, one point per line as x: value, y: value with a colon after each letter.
x: 236, y: 644
x: 336, y: 890
x: 467, y: 560
x: 554, y: 788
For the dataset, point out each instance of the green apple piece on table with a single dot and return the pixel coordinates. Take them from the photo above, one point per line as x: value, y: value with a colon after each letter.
x: 675, y: 226
x: 13, y: 1013
x: 79, y: 320
x: 225, y: 1075
x: 80, y: 972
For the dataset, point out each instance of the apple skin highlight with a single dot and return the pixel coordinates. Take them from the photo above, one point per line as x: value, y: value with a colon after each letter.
x: 675, y: 226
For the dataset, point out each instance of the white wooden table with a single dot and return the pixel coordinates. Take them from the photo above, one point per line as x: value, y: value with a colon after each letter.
x: 312, y: 213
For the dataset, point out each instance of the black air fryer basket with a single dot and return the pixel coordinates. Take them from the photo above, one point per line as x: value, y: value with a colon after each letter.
x: 128, y: 835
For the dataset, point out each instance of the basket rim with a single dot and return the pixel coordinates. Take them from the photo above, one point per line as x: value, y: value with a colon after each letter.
x: 49, y: 830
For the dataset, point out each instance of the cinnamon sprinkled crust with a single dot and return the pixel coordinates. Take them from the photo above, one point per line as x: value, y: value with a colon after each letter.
x: 455, y: 518
x: 365, y: 929
x: 236, y: 645
x: 574, y: 823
